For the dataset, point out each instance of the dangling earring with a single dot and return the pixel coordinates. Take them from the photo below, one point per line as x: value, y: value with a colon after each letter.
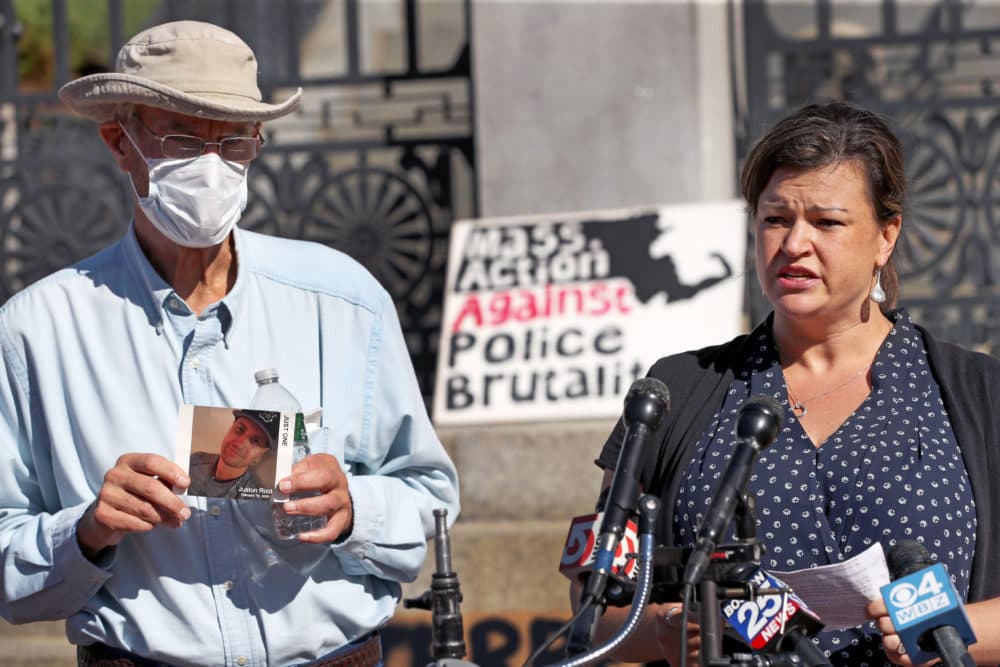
x: 878, y: 294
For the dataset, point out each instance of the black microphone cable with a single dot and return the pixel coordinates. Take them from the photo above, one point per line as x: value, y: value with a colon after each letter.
x: 584, y: 608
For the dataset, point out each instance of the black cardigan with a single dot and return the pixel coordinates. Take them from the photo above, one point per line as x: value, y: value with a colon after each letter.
x: 970, y: 388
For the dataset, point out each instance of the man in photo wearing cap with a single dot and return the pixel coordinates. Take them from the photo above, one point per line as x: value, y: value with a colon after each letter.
x: 99, y: 357
x: 232, y: 472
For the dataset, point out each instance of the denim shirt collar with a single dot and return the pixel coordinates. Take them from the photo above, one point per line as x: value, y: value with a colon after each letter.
x: 161, y: 301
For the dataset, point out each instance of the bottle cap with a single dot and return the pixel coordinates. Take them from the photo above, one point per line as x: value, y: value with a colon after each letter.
x: 265, y: 374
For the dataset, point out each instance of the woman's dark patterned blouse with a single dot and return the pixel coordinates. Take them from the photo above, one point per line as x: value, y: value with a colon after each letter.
x: 892, y: 471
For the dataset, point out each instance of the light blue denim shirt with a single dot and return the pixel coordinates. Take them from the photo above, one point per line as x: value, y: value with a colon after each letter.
x: 97, y: 359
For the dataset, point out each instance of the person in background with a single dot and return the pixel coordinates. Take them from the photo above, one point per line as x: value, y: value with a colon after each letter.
x: 884, y: 435
x: 99, y: 357
x: 232, y: 472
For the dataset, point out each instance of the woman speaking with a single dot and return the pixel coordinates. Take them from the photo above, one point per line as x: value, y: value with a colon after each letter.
x: 888, y: 434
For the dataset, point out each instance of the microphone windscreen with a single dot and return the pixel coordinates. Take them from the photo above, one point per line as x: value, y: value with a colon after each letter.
x: 647, y: 400
x: 906, y: 557
x: 760, y: 419
x: 924, y: 607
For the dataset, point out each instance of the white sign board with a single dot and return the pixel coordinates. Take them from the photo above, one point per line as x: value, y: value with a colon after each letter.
x: 553, y: 317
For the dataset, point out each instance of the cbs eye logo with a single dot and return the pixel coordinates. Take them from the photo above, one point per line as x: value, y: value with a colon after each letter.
x: 903, y: 595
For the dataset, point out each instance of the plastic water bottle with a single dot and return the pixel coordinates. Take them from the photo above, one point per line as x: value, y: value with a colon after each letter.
x: 271, y: 395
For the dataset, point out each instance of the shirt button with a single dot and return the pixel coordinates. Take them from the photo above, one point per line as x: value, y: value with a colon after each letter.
x: 228, y: 585
x: 195, y: 363
x: 175, y: 303
x: 241, y: 660
x: 215, y: 510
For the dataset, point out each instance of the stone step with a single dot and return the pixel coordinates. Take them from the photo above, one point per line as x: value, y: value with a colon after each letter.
x: 504, y: 565
x: 41, y: 629
x: 30, y: 646
x: 491, y: 640
x: 527, y: 473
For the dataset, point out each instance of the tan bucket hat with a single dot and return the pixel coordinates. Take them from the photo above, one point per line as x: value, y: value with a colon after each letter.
x: 189, y: 67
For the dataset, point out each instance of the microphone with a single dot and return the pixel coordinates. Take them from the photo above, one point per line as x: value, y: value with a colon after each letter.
x: 443, y: 600
x: 797, y: 641
x: 772, y: 611
x: 925, y: 609
x: 756, y: 427
x: 646, y: 402
x: 774, y: 618
x: 580, y: 550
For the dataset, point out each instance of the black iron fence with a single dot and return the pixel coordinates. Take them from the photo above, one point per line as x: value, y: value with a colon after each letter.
x: 934, y: 68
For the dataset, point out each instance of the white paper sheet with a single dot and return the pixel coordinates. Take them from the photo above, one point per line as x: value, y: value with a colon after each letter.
x: 840, y: 592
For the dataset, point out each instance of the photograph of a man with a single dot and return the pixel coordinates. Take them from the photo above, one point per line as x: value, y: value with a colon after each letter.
x: 235, y: 470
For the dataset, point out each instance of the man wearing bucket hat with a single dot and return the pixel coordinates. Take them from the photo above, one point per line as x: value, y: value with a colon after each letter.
x: 232, y: 472
x: 99, y: 357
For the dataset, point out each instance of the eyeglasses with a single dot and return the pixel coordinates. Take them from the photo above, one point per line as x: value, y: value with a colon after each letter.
x: 185, y: 146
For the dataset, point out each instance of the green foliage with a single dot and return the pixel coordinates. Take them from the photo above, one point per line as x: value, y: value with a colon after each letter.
x: 89, y: 36
x: 34, y: 48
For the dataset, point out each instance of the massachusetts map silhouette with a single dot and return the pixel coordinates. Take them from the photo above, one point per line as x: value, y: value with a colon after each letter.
x: 629, y: 257
x: 522, y: 255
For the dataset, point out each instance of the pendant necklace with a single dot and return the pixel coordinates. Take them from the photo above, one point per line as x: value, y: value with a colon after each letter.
x: 799, y: 407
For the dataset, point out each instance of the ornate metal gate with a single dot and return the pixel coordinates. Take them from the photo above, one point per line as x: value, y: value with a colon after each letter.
x: 378, y: 163
x: 934, y: 68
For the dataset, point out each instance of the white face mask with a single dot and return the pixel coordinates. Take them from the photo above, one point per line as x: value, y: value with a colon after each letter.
x: 194, y: 202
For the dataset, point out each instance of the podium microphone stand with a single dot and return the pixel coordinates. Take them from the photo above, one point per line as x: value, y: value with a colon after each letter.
x: 443, y: 600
